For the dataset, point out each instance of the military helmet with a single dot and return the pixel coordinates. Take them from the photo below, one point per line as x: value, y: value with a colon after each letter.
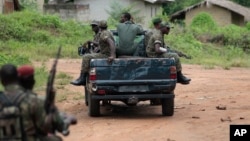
x: 156, y: 21
x: 167, y: 25
x: 94, y: 22
x: 103, y: 23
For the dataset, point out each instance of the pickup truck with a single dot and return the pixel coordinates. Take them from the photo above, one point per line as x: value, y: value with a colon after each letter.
x: 131, y: 80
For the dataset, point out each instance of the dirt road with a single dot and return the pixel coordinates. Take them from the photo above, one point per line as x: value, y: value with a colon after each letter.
x: 204, y: 109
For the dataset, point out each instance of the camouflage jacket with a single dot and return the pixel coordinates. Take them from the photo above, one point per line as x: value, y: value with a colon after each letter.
x: 155, y: 38
x: 103, y: 43
x: 33, y: 113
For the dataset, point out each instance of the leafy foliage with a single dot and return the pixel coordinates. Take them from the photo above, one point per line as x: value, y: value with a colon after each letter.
x: 116, y: 10
x: 242, y: 2
x: 170, y: 8
x: 13, y: 59
x: 203, y: 22
x: 41, y: 34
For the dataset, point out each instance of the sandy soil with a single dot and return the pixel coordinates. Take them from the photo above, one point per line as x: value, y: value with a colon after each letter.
x: 196, y: 118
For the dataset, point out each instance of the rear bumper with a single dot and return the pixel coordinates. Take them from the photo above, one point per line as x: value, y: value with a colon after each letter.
x: 125, y: 97
x: 145, y: 87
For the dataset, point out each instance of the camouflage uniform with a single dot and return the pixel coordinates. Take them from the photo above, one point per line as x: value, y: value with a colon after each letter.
x: 155, y: 38
x: 32, y: 109
x: 127, y: 32
x: 54, y: 120
x: 35, y: 123
x: 105, y: 51
x: 96, y: 36
x: 55, y: 123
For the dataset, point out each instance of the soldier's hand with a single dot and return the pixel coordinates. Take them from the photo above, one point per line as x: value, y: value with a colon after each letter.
x: 187, y: 57
x: 68, y: 120
x: 111, y: 58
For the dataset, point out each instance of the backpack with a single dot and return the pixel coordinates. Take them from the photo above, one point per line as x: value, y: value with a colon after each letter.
x: 11, y: 123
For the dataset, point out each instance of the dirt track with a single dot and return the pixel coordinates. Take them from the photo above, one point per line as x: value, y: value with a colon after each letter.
x: 196, y: 117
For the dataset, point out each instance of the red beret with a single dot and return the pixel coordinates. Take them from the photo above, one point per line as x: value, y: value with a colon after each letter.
x: 25, y: 71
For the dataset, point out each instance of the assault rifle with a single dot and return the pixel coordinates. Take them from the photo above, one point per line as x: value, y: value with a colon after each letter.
x: 86, y: 48
x: 180, y: 54
x: 50, y: 94
x: 49, y: 104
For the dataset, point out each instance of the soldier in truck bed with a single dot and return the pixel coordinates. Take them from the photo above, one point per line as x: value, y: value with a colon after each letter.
x: 127, y: 31
x: 155, y: 49
x: 107, y: 50
x: 95, y: 42
x: 156, y: 23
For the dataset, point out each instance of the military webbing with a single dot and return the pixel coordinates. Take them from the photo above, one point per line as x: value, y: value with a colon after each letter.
x: 14, y: 101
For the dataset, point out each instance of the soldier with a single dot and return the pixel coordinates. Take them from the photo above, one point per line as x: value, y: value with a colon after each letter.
x: 127, y: 32
x: 155, y: 49
x: 156, y: 23
x: 107, y: 50
x: 60, y: 121
x: 95, y: 43
x: 32, y: 110
x: 35, y: 123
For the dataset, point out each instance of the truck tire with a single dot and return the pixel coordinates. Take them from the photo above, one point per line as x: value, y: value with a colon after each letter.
x: 86, y: 92
x: 94, y: 106
x: 86, y: 96
x: 167, y: 106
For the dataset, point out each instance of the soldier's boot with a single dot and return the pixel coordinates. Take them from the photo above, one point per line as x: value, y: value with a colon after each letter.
x: 182, y: 79
x: 80, y: 81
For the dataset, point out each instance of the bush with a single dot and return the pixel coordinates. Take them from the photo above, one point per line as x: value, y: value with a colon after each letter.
x: 13, y: 59
x: 203, y: 22
x: 248, y: 26
x: 236, y: 36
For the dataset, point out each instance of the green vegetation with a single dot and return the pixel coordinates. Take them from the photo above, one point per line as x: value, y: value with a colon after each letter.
x: 116, y: 10
x: 211, y: 45
x: 172, y: 7
x: 40, y: 35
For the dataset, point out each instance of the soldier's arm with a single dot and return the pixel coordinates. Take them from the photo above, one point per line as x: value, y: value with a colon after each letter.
x: 158, y: 46
x: 112, y: 48
x: 39, y: 116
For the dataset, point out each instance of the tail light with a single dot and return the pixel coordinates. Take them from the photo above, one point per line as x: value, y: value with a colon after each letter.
x: 101, y: 92
x: 173, y: 72
x: 92, y: 74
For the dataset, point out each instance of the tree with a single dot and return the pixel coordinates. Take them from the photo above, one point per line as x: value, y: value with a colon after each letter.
x: 116, y: 10
x: 242, y: 2
x: 170, y: 8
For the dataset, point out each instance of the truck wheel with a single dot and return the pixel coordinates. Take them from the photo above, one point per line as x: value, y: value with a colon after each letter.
x: 86, y: 96
x: 86, y: 91
x: 94, y: 106
x: 167, y: 106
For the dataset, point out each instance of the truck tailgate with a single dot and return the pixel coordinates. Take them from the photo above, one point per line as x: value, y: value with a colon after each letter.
x: 134, y: 75
x: 133, y: 69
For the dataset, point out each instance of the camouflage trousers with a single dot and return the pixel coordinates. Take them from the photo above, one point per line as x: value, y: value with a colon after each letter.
x: 87, y: 57
x: 172, y: 55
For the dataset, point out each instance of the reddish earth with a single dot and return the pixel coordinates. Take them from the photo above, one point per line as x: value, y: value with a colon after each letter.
x: 204, y: 109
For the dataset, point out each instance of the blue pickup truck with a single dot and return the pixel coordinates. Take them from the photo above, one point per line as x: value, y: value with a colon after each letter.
x: 131, y: 80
